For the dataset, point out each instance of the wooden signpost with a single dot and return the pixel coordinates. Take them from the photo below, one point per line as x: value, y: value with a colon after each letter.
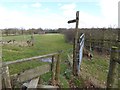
x: 75, y: 47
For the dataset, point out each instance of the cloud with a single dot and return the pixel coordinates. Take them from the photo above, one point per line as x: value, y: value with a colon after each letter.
x: 59, y: 4
x: 48, y: 19
x: 19, y: 19
x: 68, y: 6
x: 89, y: 20
x: 25, y: 6
x: 36, y: 5
x: 109, y: 10
x: 10, y: 18
x: 86, y: 20
x: 68, y: 10
x: 49, y: 1
x: 108, y: 17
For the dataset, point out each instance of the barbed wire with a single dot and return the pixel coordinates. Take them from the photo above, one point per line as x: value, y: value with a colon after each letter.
x: 108, y: 49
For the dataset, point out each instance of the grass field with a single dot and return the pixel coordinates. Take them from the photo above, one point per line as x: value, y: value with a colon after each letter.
x: 44, y: 44
x: 49, y: 43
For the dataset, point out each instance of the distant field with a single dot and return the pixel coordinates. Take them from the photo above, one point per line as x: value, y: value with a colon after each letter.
x: 44, y: 44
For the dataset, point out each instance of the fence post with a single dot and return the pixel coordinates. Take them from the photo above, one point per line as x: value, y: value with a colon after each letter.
x: 119, y: 57
x: 102, y: 42
x: 6, y: 77
x: 57, y: 69
x: 0, y: 61
x: 90, y: 43
x: 119, y: 73
x: 112, y: 67
x: 53, y: 70
x: 0, y: 73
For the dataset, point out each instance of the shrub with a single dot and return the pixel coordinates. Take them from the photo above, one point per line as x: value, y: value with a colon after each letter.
x: 69, y: 35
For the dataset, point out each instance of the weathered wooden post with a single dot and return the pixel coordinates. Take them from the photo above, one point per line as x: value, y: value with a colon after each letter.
x: 32, y: 40
x: 119, y: 43
x: 53, y: 70
x: 112, y: 67
x: 6, y: 77
x: 75, y: 47
x: 0, y: 61
x: 119, y: 57
x: 102, y: 41
x: 57, y: 69
x: 90, y: 43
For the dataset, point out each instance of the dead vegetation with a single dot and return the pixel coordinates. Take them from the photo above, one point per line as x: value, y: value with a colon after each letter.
x: 17, y: 43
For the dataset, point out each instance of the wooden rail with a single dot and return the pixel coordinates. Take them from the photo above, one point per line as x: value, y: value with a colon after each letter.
x: 28, y: 59
x: 32, y: 73
x: 35, y: 72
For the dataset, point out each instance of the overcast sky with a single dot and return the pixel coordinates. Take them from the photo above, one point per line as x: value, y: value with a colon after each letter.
x: 56, y: 13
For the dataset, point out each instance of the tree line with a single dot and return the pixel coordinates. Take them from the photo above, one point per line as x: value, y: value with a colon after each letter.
x: 21, y: 31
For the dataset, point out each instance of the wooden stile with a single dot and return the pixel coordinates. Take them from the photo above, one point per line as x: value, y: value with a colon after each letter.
x: 33, y: 84
x: 32, y: 73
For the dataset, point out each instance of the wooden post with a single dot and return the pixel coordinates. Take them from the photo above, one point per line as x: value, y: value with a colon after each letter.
x: 75, y: 46
x: 32, y: 40
x: 0, y: 61
x: 57, y: 73
x: 53, y: 70
x: 102, y: 42
x: 119, y: 72
x: 112, y: 67
x: 90, y: 43
x: 119, y: 57
x: 6, y: 77
x: 0, y: 75
x: 74, y: 71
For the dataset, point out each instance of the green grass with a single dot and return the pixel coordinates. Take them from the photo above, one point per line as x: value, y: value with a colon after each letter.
x: 44, y: 44
x: 49, y: 43
x: 97, y: 68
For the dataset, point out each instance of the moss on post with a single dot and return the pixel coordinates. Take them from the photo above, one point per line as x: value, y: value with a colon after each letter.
x: 112, y: 67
